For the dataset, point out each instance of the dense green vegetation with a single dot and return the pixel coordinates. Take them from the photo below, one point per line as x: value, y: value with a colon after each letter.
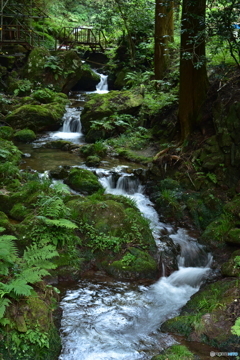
x: 189, y: 139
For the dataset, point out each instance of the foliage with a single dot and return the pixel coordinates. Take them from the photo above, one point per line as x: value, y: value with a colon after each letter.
x: 222, y: 21
x: 16, y: 273
x: 236, y: 327
x: 52, y: 226
x: 175, y: 352
x: 135, y: 139
x: 101, y: 241
x: 24, y: 87
x: 54, y: 64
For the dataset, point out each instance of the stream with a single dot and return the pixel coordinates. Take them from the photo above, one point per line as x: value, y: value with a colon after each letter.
x: 105, y: 319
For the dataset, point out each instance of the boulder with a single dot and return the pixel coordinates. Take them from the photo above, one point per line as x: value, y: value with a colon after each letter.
x: 25, y: 135
x: 209, y: 315
x: 37, y: 117
x: 117, y: 235
x: 99, y: 106
x: 83, y: 181
x: 231, y: 267
x: 61, y: 70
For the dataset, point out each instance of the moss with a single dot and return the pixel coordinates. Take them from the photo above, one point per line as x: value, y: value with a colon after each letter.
x: 37, y: 118
x: 216, y: 232
x: 233, y: 236
x: 6, y: 132
x: 4, y: 222
x: 19, y: 212
x: 25, y: 135
x: 60, y: 70
x: 83, y: 181
x: 138, y: 265
x: 209, y: 315
x: 93, y: 161
x: 9, y: 153
x: 230, y: 268
x: 103, y: 105
x: 175, y: 352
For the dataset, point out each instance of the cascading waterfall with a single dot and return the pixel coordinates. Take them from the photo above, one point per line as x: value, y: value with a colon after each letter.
x: 102, y: 86
x: 117, y: 320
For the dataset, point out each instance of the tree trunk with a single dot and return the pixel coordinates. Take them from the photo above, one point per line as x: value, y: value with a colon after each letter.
x: 163, y: 34
x: 193, y: 74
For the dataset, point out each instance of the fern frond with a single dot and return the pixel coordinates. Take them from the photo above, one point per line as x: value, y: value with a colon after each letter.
x: 19, y: 287
x: 3, y: 304
x: 53, y: 207
x: 8, y: 253
x: 4, y: 268
x: 60, y: 188
x: 64, y: 223
x: 34, y: 255
x: 33, y: 275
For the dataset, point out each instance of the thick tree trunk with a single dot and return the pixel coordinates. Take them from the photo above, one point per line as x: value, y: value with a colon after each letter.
x: 163, y: 34
x: 193, y: 74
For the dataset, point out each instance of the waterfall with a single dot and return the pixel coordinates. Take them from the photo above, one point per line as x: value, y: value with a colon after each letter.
x: 193, y: 255
x: 102, y: 86
x: 71, y: 121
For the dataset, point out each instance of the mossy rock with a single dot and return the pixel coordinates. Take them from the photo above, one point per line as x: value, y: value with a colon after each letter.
x: 4, y: 221
x: 83, y: 181
x: 135, y: 264
x: 209, y: 316
x: 175, y: 352
x: 108, y: 225
x: 231, y: 268
x: 60, y: 70
x: 93, y: 161
x: 216, y: 232
x: 233, y: 236
x: 99, y: 106
x: 88, y: 81
x: 25, y: 135
x: 233, y: 206
x: 9, y: 153
x: 19, y: 212
x: 6, y: 132
x: 36, y: 117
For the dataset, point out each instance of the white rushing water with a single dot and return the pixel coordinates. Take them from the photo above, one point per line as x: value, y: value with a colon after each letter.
x: 120, y: 320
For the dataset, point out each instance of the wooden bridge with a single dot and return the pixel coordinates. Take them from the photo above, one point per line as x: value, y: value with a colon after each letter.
x: 16, y: 23
x: 81, y: 36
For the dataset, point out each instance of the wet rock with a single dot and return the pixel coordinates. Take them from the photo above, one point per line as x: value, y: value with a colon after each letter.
x: 60, y: 173
x: 135, y: 264
x: 208, y: 316
x: 169, y: 255
x: 83, y: 181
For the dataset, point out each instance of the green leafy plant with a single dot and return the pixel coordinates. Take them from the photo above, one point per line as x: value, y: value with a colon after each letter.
x: 236, y: 327
x: 17, y: 274
x: 24, y: 87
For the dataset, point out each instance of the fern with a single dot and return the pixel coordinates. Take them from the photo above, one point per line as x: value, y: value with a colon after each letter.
x: 53, y: 207
x: 35, y: 255
x: 3, y: 305
x: 64, y: 223
x: 8, y: 253
x: 19, y: 287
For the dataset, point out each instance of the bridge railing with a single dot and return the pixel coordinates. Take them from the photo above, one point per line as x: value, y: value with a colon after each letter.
x: 86, y: 36
x: 19, y: 34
